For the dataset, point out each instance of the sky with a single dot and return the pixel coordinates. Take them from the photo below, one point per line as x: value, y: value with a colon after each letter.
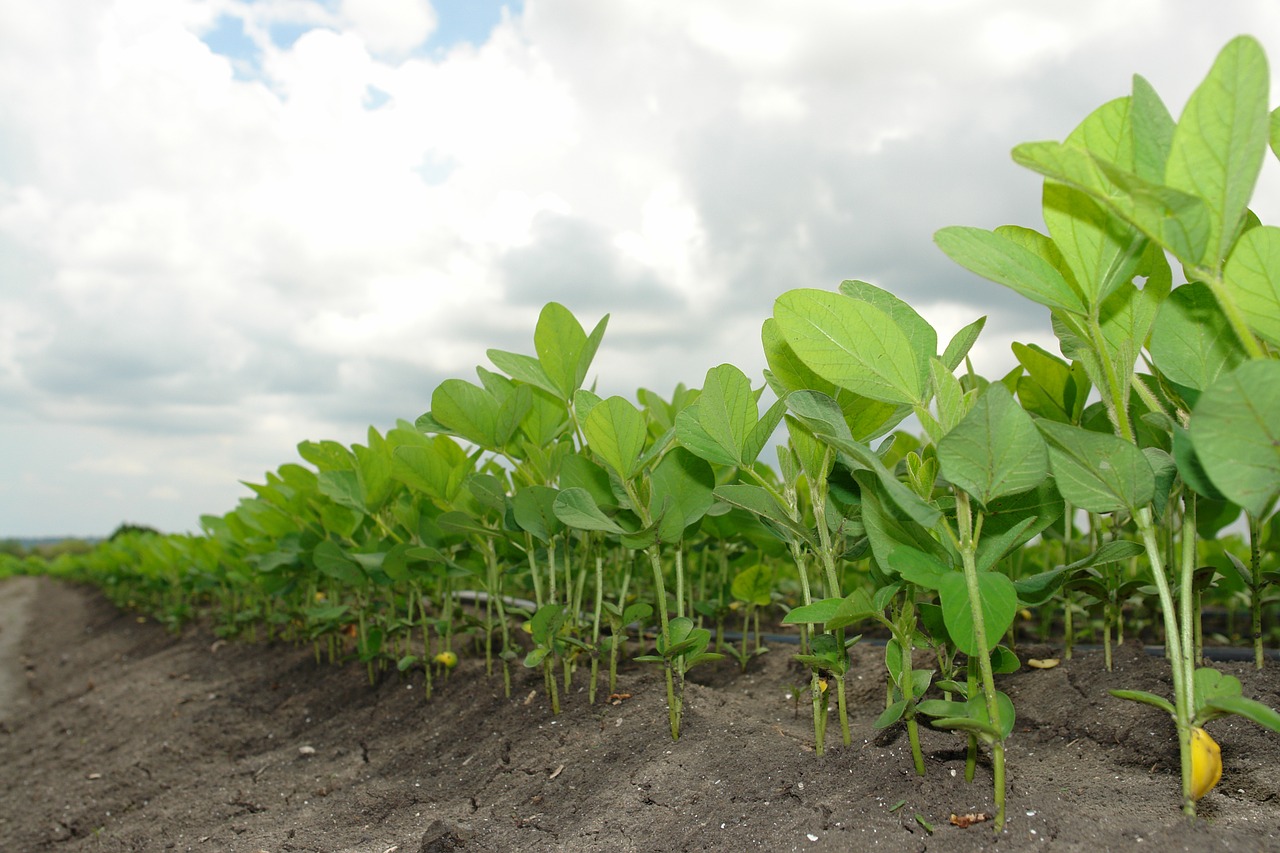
x: 229, y: 226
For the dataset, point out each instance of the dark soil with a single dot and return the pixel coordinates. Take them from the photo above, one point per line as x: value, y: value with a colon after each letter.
x: 120, y: 736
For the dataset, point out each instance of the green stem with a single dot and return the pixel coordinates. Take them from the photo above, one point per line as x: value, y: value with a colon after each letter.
x: 1173, y: 646
x: 1255, y: 591
x: 968, y: 549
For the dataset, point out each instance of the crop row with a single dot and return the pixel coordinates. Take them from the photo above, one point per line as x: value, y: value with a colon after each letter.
x: 528, y: 518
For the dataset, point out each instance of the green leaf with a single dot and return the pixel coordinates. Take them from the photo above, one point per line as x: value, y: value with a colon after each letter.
x: 615, y: 431
x: 757, y: 500
x: 891, y: 714
x: 1252, y: 278
x: 333, y: 562
x: 526, y: 368
x: 564, y: 349
x: 852, y: 344
x: 753, y: 586
x: 999, y: 604
x: 534, y: 510
x: 923, y: 338
x: 373, y: 465
x: 1152, y: 129
x: 1190, y: 468
x: 995, y: 450
x: 1098, y: 472
x: 960, y: 344
x: 681, y: 486
x: 1052, y: 388
x: 1239, y: 706
x: 467, y: 410
x: 816, y: 613
x: 1220, y: 141
x: 1101, y: 249
x: 1235, y: 429
x: 917, y: 567
x: 576, y: 508
x: 1004, y: 261
x: 1145, y: 698
x: 1179, y: 221
x: 1192, y: 342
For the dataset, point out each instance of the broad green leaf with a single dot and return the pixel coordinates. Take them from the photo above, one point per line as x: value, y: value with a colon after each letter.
x: 1152, y: 128
x: 342, y: 487
x: 1052, y: 388
x: 1236, y: 432
x: 724, y: 426
x: 373, y: 464
x: 1101, y: 249
x: 816, y: 613
x: 1252, y: 278
x: 758, y: 501
x: 576, y: 508
x: 577, y: 471
x: 1097, y: 471
x: 433, y: 466
x: 563, y: 348
x: 1177, y: 220
x: 1013, y: 520
x: 917, y: 567
x: 923, y: 338
x: 534, y: 510
x: 727, y: 405
x: 467, y: 410
x: 753, y: 585
x: 681, y: 486
x: 999, y: 604
x: 1190, y: 468
x: 949, y: 399
x: 526, y: 368
x: 996, y: 450
x: 1000, y: 259
x: 615, y: 431
x: 326, y: 455
x: 1192, y: 342
x: 1220, y: 141
x: 333, y: 562
x: 852, y: 344
x: 1240, y: 706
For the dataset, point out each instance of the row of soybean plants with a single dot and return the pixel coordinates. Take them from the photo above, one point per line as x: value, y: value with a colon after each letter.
x: 526, y: 501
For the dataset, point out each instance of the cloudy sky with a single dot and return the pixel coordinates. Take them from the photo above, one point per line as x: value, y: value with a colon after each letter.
x: 227, y: 226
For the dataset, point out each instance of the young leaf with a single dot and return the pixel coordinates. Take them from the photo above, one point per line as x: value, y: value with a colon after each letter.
x: 1192, y: 342
x: 1000, y: 259
x: 576, y: 508
x: 1101, y: 250
x: 960, y: 344
x: 1097, y: 471
x: 1252, y: 277
x: 1235, y: 429
x: 615, y: 431
x: 1220, y: 141
x: 999, y: 601
x: 852, y: 344
x: 467, y: 410
x: 996, y: 450
x: 681, y: 492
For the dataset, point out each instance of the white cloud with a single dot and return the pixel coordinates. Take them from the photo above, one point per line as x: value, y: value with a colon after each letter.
x: 392, y: 27
x: 205, y: 259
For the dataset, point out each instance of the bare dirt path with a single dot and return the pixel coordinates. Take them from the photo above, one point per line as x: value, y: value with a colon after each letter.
x: 127, y: 738
x: 16, y: 595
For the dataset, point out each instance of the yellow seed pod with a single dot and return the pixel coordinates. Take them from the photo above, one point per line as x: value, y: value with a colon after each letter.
x: 1206, y: 763
x: 446, y: 659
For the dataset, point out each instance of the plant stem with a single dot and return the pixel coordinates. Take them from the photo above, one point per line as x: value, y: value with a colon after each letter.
x: 968, y: 549
x: 1255, y: 591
